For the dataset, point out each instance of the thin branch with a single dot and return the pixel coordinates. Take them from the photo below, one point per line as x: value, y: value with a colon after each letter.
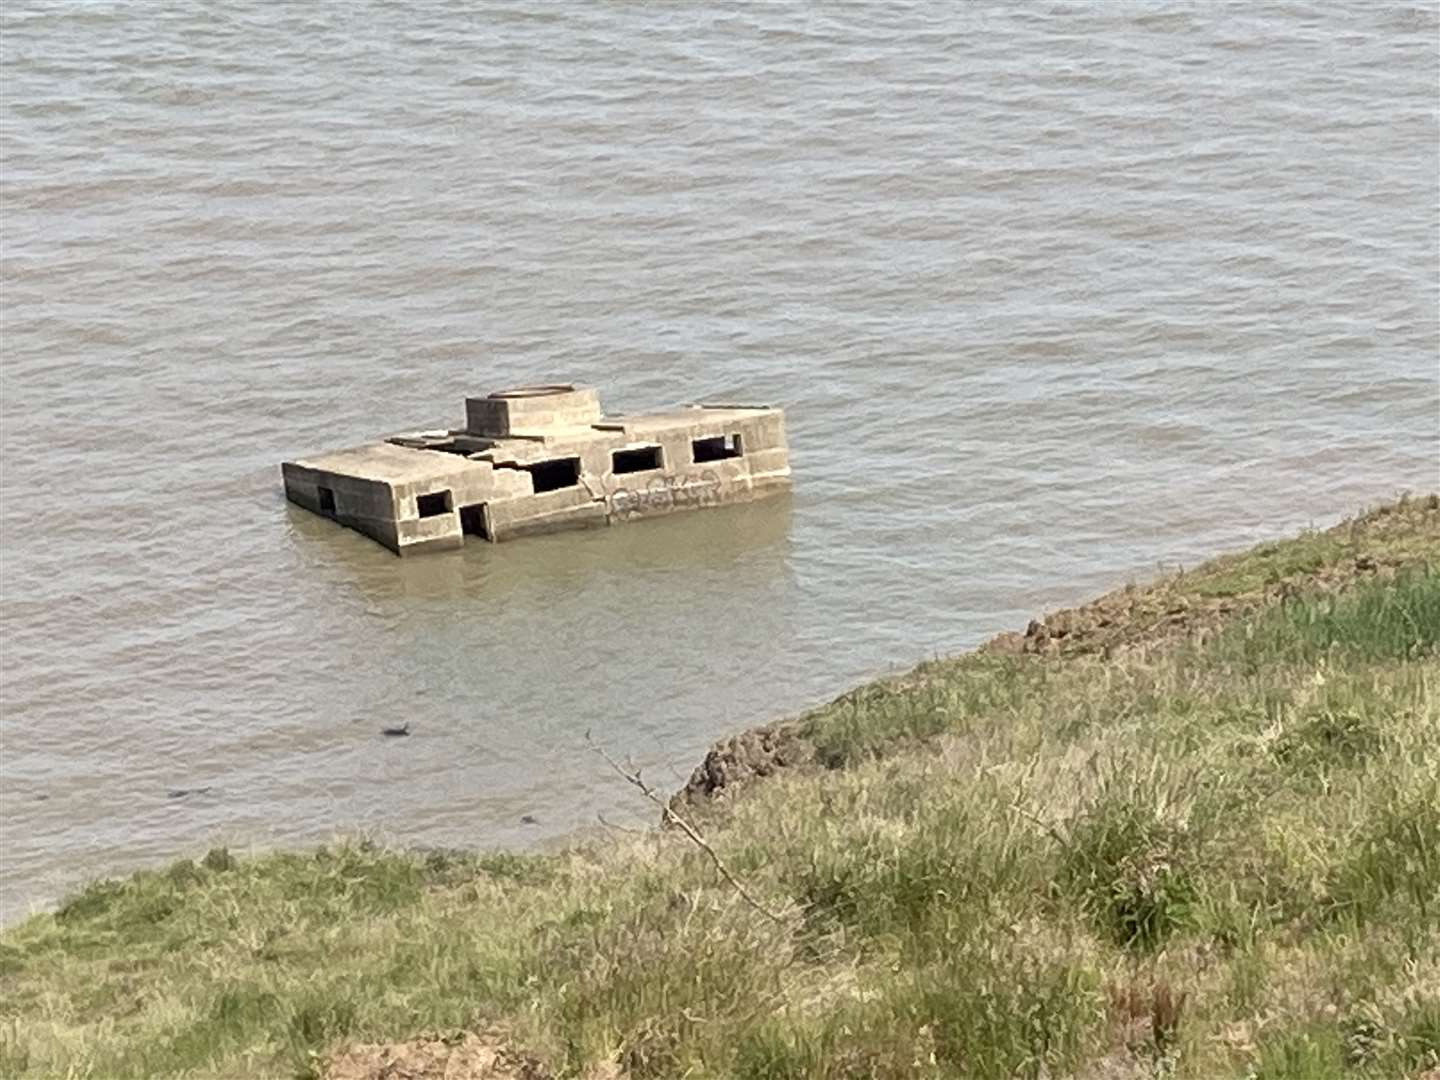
x: 689, y: 830
x: 1049, y: 828
x: 619, y: 828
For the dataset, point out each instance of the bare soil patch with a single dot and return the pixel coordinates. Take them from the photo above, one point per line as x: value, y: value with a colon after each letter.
x: 461, y: 1056
x: 1190, y: 606
x: 1184, y: 606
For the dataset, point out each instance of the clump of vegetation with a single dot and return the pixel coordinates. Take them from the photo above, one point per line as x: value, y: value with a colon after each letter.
x: 1132, y: 856
x: 1106, y: 854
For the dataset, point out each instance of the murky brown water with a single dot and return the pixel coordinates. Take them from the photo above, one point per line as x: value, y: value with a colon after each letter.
x: 1052, y: 295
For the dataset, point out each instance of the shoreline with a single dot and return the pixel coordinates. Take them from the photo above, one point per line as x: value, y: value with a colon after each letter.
x: 1168, y: 608
x: 1192, y: 824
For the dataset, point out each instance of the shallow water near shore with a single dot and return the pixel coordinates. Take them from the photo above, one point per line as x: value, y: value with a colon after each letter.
x: 1052, y: 297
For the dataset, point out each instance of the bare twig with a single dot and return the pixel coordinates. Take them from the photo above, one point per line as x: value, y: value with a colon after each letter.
x: 618, y: 828
x: 671, y: 817
x: 1049, y: 828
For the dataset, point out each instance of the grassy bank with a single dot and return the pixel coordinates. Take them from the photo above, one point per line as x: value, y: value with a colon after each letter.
x: 1192, y: 830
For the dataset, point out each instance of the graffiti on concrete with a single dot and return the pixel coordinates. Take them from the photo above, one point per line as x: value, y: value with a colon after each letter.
x: 667, y: 493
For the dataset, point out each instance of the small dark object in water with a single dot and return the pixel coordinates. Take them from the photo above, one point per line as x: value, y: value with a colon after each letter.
x: 529, y: 819
x: 181, y: 792
x: 396, y: 730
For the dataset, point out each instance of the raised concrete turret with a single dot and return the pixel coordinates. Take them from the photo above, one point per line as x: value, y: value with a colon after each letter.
x: 531, y: 410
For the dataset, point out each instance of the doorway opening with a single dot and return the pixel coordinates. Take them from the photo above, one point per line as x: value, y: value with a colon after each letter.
x: 472, y: 521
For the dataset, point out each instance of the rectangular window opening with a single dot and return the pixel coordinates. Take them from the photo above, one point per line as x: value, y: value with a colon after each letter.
x: 554, y: 475
x: 434, y: 504
x: 716, y: 448
x: 639, y: 459
x: 472, y: 521
x: 327, y: 499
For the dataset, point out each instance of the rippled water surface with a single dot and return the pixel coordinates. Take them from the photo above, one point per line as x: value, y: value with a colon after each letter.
x: 1051, y: 295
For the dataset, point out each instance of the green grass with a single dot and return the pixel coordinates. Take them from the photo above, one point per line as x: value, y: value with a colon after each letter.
x: 1367, y: 624
x: 1208, y: 858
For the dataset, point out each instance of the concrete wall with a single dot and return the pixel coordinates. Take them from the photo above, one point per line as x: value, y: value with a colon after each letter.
x: 367, y: 506
x: 481, y: 483
x: 389, y: 510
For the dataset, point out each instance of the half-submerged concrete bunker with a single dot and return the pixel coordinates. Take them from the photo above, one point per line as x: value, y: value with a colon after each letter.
x: 539, y: 459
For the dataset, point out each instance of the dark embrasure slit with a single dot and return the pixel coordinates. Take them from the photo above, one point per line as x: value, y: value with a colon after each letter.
x: 716, y: 448
x: 554, y: 475
x: 434, y: 504
x: 638, y: 459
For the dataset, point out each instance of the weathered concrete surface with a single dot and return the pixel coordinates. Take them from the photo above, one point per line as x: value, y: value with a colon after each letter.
x: 541, y: 459
x: 532, y: 410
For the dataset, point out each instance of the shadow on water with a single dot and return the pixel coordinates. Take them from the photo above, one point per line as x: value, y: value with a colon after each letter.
x: 706, y: 542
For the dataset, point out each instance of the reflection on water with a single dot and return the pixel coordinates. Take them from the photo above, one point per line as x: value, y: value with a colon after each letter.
x: 749, y: 538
